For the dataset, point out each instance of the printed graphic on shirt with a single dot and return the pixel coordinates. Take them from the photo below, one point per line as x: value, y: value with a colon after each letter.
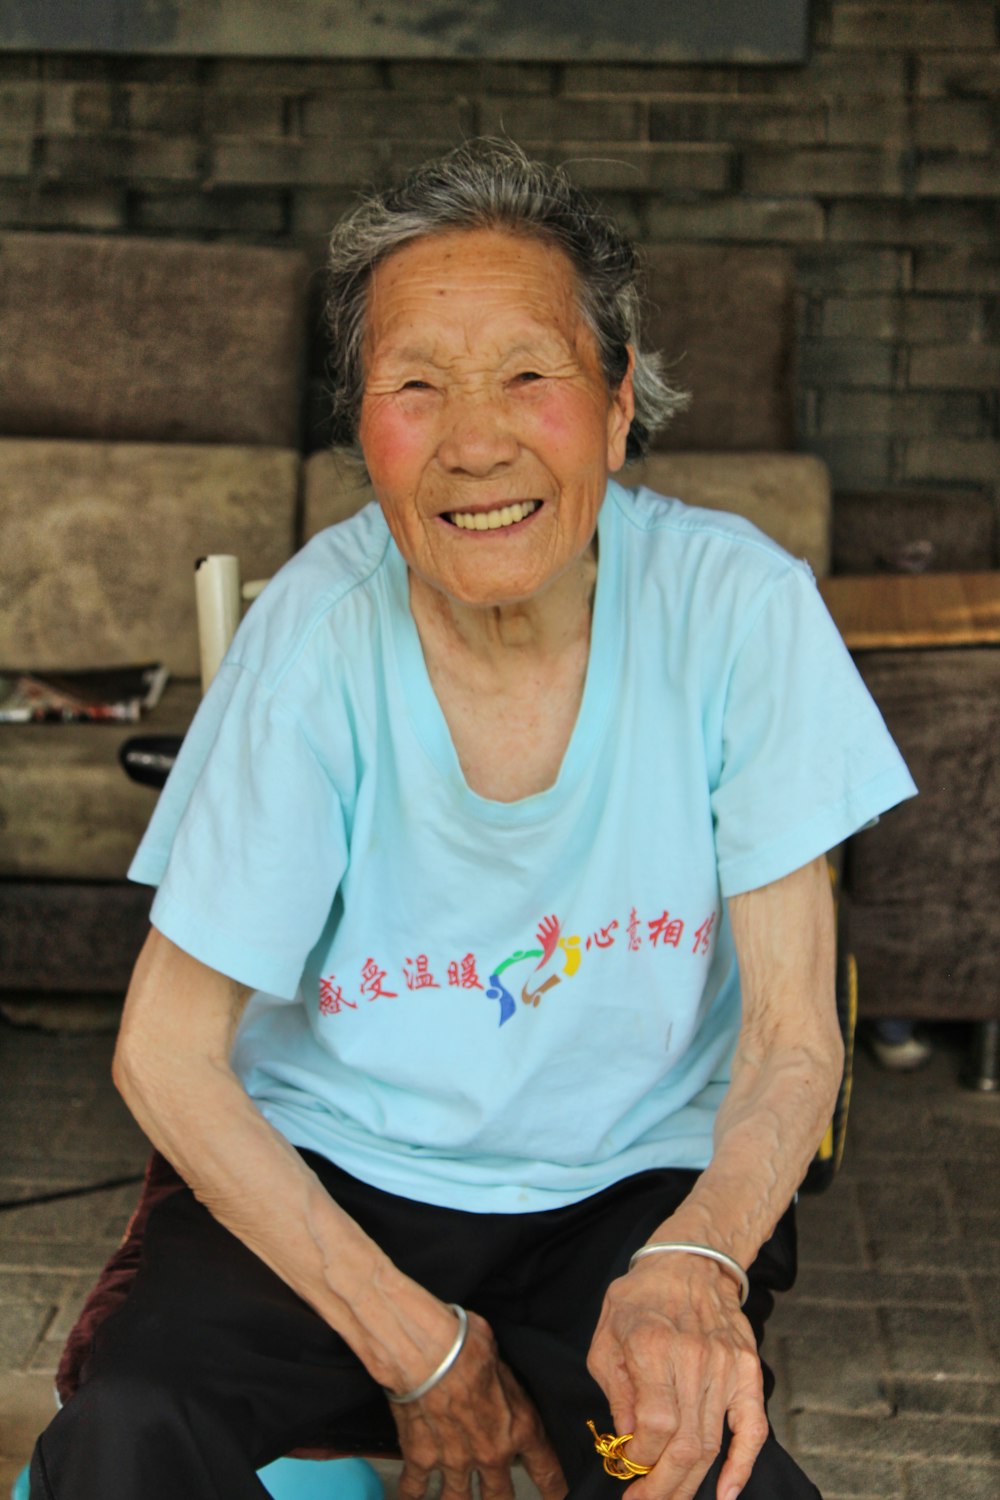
x: 665, y: 933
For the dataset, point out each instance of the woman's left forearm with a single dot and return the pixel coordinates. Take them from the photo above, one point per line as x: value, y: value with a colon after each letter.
x: 786, y: 1069
x: 767, y: 1130
x: 672, y: 1351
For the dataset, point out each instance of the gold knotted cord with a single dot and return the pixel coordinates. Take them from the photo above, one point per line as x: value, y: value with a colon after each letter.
x: 611, y: 1449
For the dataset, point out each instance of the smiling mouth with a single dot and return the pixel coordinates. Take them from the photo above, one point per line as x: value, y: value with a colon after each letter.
x: 492, y: 520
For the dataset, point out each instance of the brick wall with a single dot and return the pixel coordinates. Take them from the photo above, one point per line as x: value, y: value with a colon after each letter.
x: 877, y: 164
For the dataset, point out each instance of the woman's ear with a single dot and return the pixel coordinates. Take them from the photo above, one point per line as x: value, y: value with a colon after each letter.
x: 620, y: 414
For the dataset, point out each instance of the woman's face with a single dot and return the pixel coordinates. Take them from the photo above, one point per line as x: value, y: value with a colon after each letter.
x: 486, y: 423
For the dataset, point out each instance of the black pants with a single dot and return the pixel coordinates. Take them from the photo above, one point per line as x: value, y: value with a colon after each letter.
x: 213, y: 1367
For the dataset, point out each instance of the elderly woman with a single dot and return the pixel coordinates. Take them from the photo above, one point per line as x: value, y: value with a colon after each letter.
x: 509, y: 805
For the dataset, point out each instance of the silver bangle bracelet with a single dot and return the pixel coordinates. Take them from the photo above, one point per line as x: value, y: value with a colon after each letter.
x: 666, y: 1247
x: 443, y: 1367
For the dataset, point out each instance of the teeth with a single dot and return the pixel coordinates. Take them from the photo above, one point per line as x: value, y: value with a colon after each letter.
x: 493, y: 520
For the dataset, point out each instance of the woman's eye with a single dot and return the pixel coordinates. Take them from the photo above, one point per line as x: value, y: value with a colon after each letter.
x: 525, y: 375
x: 415, y: 385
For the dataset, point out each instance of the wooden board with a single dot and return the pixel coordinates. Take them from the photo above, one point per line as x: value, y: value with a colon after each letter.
x: 922, y: 609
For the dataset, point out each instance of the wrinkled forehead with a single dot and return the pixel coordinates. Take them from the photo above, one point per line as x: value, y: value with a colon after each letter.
x: 481, y: 276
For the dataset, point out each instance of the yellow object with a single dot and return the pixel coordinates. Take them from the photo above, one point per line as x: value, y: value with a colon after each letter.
x: 849, y: 1030
x: 615, y: 1463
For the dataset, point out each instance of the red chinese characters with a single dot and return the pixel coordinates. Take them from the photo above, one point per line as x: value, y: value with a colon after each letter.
x: 372, y: 981
x: 662, y: 933
x: 603, y: 939
x: 332, y: 997
x: 463, y: 975
x: 702, y: 937
x: 666, y: 929
x: 418, y: 975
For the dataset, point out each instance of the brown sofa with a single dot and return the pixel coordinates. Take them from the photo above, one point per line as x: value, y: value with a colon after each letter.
x: 151, y: 397
x: 150, y: 411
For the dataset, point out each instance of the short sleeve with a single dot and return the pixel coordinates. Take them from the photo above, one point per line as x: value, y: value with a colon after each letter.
x: 806, y: 756
x: 247, y: 843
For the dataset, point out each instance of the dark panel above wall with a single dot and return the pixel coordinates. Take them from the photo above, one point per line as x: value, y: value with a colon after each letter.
x: 771, y: 31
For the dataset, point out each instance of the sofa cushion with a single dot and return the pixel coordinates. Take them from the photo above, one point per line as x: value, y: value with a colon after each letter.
x: 914, y: 531
x: 785, y: 494
x: 724, y: 321
x: 925, y: 921
x: 100, y: 542
x: 69, y: 810
x: 152, y: 340
x: 69, y: 937
x: 335, y: 487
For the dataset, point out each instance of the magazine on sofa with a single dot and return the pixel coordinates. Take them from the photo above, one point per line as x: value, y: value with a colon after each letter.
x: 115, y: 695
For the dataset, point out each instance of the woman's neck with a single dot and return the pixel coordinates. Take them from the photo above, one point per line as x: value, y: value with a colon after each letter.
x: 509, y: 680
x: 501, y: 637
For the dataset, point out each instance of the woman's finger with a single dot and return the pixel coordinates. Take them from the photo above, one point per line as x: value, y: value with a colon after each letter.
x: 495, y: 1483
x: 542, y: 1463
x: 749, y: 1427
x: 456, y: 1483
x: 658, y: 1417
x: 533, y: 1447
x: 686, y: 1453
x: 612, y: 1375
x: 413, y: 1480
x: 680, y: 1414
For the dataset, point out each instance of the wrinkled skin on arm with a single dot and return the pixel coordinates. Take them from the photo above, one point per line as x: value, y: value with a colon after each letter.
x: 172, y: 1068
x: 672, y: 1350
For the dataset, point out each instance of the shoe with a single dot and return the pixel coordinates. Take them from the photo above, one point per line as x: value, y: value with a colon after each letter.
x: 900, y: 1057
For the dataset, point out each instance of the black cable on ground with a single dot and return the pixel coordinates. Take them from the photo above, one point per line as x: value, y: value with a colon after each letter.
x: 57, y: 1194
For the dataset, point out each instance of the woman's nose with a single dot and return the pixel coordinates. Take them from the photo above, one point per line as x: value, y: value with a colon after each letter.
x: 477, y: 437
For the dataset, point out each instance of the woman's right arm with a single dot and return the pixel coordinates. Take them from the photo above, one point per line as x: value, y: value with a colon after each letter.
x: 172, y: 1068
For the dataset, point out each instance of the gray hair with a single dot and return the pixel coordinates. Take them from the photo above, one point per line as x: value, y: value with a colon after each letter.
x: 492, y: 184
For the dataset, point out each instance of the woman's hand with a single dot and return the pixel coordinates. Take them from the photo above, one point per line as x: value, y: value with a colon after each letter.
x: 477, y: 1419
x: 674, y: 1356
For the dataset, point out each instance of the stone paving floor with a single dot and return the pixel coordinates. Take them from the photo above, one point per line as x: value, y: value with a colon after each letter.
x: 887, y: 1352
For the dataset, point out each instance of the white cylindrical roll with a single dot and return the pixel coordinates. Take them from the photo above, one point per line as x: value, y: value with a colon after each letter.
x: 217, y: 595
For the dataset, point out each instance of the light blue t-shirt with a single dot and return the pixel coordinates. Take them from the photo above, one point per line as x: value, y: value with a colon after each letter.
x: 509, y: 1006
